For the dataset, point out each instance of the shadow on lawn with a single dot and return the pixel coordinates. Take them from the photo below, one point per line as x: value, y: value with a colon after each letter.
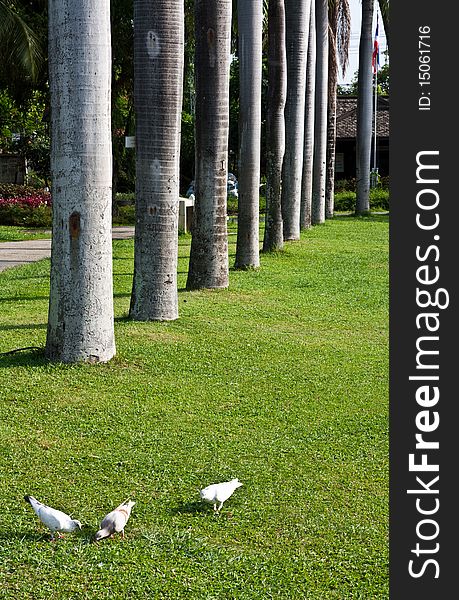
x: 33, y: 357
x: 22, y: 298
x: 23, y: 326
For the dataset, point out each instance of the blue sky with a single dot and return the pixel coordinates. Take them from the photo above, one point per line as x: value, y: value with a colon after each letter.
x: 356, y: 13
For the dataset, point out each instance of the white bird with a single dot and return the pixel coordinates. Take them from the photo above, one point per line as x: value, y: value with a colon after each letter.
x: 115, y: 521
x: 219, y: 492
x: 55, y: 520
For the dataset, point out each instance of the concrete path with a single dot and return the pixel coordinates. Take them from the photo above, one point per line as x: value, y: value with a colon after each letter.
x: 13, y: 254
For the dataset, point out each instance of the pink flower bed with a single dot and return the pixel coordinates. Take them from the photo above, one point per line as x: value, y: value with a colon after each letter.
x: 30, y: 200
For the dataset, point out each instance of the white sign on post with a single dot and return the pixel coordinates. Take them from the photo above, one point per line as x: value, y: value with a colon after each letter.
x: 129, y: 141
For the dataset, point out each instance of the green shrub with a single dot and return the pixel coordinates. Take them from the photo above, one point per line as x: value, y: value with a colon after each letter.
x: 28, y: 216
x: 379, y: 199
x: 345, y: 201
x: 349, y: 185
x: 126, y: 215
x: 232, y: 205
x: 125, y: 199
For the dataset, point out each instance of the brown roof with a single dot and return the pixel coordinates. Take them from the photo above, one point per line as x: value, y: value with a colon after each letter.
x: 346, y: 118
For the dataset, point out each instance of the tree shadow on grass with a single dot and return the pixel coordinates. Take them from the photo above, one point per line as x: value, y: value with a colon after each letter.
x: 22, y: 298
x: 23, y: 326
x: 24, y: 358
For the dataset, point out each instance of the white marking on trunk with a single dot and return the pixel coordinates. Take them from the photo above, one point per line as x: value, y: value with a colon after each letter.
x: 153, y: 47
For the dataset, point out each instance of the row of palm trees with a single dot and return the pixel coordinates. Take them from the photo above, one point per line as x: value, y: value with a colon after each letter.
x: 80, y: 324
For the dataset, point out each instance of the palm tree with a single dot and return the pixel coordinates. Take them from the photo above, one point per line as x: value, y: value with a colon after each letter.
x: 275, y: 127
x: 80, y: 322
x: 158, y: 74
x: 208, y: 266
x: 321, y: 106
x: 339, y: 38
x: 384, y: 8
x: 308, y: 154
x: 297, y: 35
x: 364, y: 110
x: 20, y: 44
x: 250, y: 20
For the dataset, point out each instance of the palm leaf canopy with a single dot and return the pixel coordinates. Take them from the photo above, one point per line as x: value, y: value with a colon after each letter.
x: 18, y: 42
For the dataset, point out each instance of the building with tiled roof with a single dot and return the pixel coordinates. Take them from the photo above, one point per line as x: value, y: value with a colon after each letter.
x: 346, y: 128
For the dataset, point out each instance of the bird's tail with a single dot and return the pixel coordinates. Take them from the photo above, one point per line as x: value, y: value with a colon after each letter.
x: 34, y: 503
x: 127, y: 505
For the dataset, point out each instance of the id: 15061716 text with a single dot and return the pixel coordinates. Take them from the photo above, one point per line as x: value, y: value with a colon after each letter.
x: 424, y: 100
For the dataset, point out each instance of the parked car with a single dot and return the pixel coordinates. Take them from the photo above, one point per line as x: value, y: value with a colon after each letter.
x: 190, y: 191
x: 231, y: 186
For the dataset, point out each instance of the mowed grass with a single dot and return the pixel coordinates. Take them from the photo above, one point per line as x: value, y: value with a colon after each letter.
x: 281, y: 381
x: 15, y: 234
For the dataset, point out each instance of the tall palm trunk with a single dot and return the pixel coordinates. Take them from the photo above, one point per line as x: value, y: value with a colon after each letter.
x: 250, y: 20
x: 331, y: 128
x: 321, y: 106
x: 339, y: 38
x: 275, y: 126
x: 158, y: 68
x: 208, y: 266
x: 308, y: 155
x: 80, y: 322
x: 364, y: 110
x: 297, y: 35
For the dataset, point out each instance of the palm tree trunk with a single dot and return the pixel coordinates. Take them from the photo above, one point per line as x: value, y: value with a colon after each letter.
x: 158, y: 69
x: 331, y: 115
x: 208, y: 266
x: 275, y: 126
x: 321, y: 106
x: 250, y: 19
x: 364, y: 110
x: 297, y: 34
x: 331, y: 146
x: 80, y: 322
x: 339, y: 38
x: 308, y: 155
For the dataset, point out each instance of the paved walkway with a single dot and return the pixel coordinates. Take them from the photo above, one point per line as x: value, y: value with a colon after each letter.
x: 13, y: 254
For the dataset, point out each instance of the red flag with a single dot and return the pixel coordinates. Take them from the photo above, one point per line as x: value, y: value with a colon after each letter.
x: 375, y: 57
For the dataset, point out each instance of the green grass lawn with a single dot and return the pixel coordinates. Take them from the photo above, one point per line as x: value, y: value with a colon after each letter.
x: 14, y: 234
x: 281, y: 381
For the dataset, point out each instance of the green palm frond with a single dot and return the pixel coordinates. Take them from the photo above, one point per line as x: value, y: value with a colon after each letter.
x: 18, y: 42
x: 339, y: 18
x: 384, y: 8
x: 343, y: 33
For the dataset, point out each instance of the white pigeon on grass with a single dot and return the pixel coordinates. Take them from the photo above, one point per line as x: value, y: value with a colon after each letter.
x: 55, y: 520
x: 219, y: 492
x: 115, y: 521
